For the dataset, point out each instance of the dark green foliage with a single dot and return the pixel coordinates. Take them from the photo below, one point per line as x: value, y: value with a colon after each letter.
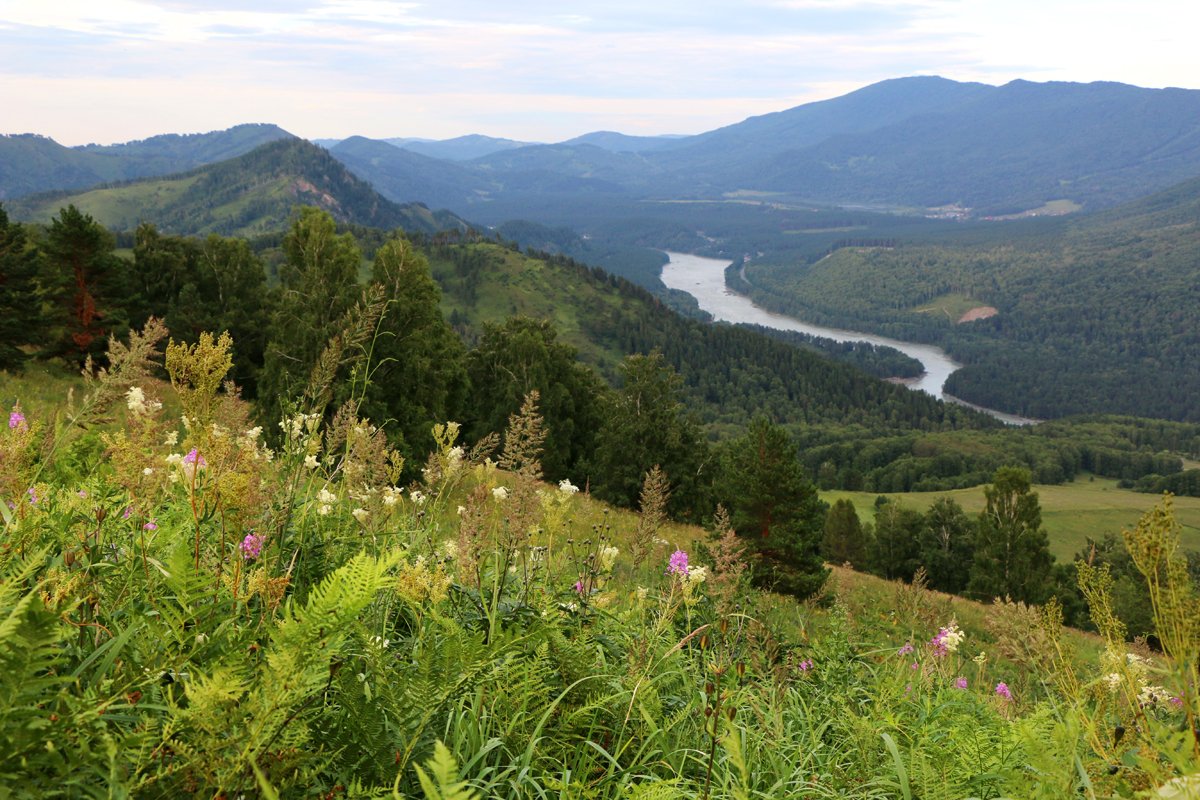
x: 214, y: 285
x: 895, y: 548
x: 775, y: 508
x: 319, y: 283
x: 877, y: 360
x: 844, y: 541
x: 20, y: 304
x: 418, y: 372
x: 523, y: 355
x: 1012, y: 552
x: 86, y: 284
x: 947, y: 546
x: 643, y: 424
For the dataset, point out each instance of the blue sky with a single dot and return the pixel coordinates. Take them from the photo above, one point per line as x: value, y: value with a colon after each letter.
x: 114, y: 70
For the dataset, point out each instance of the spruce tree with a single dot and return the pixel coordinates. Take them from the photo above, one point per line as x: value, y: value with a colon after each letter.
x: 1012, y: 551
x: 894, y: 548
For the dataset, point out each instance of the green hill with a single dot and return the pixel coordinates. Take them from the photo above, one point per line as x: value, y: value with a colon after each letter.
x: 30, y: 164
x: 248, y: 195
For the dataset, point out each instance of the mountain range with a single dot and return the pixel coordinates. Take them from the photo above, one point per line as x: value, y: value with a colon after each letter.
x: 908, y: 143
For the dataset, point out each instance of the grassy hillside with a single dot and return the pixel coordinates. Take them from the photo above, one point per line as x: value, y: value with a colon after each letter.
x: 248, y: 195
x: 1071, y: 512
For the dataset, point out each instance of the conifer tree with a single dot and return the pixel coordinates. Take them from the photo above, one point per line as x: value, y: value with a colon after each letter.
x: 844, y: 540
x: 894, y: 548
x: 1012, y: 551
x: 318, y: 282
x: 645, y: 424
x: 87, y: 283
x: 947, y: 546
x: 418, y: 373
x: 20, y: 305
x: 775, y: 508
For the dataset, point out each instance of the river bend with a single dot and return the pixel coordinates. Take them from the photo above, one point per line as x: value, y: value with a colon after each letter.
x: 704, y: 279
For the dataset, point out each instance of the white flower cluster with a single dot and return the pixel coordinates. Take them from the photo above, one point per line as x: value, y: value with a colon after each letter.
x: 327, y: 499
x: 951, y: 637
x: 361, y: 515
x: 500, y: 493
x: 300, y: 426
x: 135, y: 401
x: 390, y: 495
x: 566, y: 487
x: 608, y: 557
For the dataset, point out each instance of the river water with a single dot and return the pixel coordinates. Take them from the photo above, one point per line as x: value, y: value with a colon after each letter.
x: 704, y: 279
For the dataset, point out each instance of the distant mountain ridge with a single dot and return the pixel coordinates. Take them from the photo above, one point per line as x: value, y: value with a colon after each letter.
x: 30, y: 163
x: 251, y: 194
x: 908, y: 143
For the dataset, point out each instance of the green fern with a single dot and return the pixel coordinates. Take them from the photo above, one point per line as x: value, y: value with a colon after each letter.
x: 442, y: 781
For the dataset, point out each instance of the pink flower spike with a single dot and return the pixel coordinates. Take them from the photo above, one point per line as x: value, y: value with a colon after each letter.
x: 194, y: 457
x: 150, y: 526
x: 960, y: 683
x: 1002, y: 691
x: 678, y: 564
x: 578, y: 587
x: 252, y: 546
x: 16, y: 420
x: 128, y: 512
x: 908, y: 648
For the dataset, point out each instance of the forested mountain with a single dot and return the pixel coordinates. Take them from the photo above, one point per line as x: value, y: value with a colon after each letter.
x: 251, y: 194
x: 1096, y: 313
x: 30, y: 164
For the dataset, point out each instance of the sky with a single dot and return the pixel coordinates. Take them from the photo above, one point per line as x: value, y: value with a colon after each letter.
x: 109, y: 71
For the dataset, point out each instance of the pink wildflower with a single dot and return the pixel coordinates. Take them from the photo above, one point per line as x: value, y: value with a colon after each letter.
x: 914, y: 665
x: 194, y: 457
x: 252, y: 546
x: 1177, y: 702
x: 1002, y: 691
x: 806, y: 665
x: 16, y: 420
x: 960, y: 683
x: 127, y: 513
x: 150, y: 526
x: 578, y: 587
x: 908, y: 648
x: 33, y: 495
x: 678, y: 563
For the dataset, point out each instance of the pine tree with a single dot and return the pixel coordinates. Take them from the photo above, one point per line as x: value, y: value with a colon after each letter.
x: 775, y: 507
x: 20, y: 305
x: 1012, y: 551
x: 894, y: 550
x: 87, y: 283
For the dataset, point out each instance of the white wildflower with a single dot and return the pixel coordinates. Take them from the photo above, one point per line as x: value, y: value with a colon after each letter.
x: 327, y: 497
x: 310, y: 462
x: 500, y: 493
x: 324, y: 510
x: 450, y: 549
x: 148, y: 471
x: 1113, y: 681
x: 417, y: 496
x: 390, y: 495
x: 172, y: 439
x: 462, y: 510
x: 253, y: 434
x: 642, y: 593
x: 608, y: 557
x: 361, y: 515
x: 566, y: 487
x: 135, y: 400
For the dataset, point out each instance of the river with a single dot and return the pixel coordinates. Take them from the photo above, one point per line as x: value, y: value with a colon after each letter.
x: 704, y: 279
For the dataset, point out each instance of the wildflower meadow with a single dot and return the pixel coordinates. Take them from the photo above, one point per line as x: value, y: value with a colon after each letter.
x: 197, y: 603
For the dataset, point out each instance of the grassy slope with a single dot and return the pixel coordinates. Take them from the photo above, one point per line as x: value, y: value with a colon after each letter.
x: 1071, y: 512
